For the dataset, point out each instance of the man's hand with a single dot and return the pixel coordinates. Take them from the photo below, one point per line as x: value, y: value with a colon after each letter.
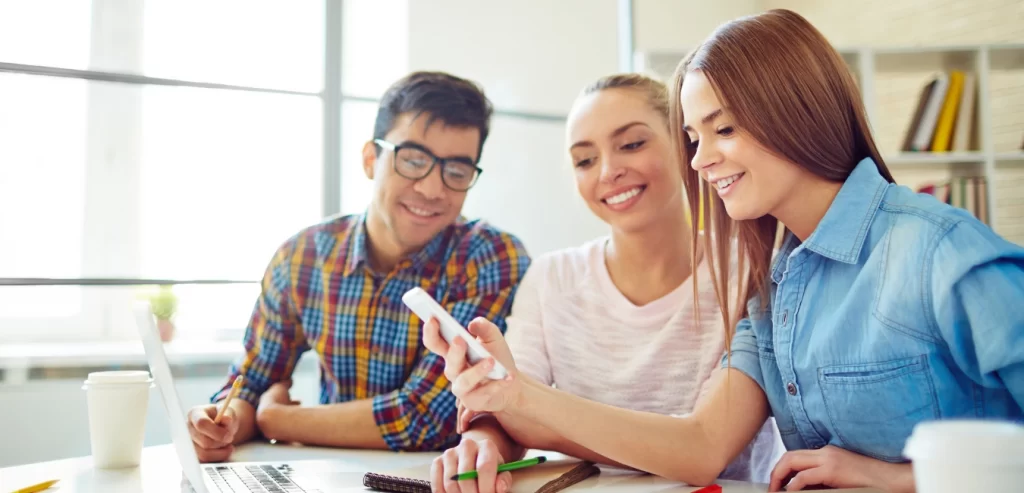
x: 471, y: 455
x: 275, y: 397
x: 212, y: 441
x: 838, y: 468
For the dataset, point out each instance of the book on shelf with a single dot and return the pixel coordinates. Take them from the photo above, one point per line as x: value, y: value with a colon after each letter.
x: 968, y: 192
x: 915, y: 122
x: 944, y: 117
x: 965, y: 116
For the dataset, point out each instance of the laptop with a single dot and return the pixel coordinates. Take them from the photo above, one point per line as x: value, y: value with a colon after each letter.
x: 237, y: 477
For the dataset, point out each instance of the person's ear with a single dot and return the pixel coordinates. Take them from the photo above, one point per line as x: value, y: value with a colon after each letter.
x: 369, y: 158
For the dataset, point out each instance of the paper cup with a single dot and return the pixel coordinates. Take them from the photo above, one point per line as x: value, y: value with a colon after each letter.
x: 117, y: 416
x: 956, y: 456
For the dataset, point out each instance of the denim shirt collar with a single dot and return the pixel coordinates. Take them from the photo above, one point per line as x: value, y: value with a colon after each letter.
x: 841, y: 233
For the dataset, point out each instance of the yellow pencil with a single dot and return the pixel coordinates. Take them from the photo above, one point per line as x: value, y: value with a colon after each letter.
x: 37, y: 487
x: 236, y: 387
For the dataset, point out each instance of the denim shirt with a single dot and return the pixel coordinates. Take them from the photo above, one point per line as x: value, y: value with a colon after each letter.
x: 896, y: 310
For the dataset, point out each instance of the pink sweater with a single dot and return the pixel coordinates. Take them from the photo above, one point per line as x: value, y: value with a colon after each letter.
x: 571, y: 328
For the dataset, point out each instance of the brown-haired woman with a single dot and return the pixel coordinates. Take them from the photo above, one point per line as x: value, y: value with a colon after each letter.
x: 882, y: 308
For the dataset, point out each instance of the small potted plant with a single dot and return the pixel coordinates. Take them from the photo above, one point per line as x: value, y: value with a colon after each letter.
x: 164, y: 303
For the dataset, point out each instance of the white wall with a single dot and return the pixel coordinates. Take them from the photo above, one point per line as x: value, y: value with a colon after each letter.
x: 528, y: 187
x: 529, y: 55
x: 672, y: 25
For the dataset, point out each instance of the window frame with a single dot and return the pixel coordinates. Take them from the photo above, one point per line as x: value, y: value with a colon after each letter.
x: 113, y: 25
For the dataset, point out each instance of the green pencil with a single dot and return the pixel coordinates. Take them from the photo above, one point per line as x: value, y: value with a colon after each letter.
x: 511, y: 466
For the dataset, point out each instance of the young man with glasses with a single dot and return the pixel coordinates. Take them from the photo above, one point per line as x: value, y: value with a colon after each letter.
x: 336, y: 288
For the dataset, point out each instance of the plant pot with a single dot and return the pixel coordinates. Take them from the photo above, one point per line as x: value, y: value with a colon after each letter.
x: 166, y: 328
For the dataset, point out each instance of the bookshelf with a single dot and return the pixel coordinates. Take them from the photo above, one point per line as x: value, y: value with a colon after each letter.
x: 1009, y: 157
x: 891, y: 80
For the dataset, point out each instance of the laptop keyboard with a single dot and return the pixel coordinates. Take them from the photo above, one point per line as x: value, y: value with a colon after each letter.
x: 256, y: 478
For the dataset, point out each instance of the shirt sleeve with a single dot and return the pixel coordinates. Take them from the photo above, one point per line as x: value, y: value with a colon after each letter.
x: 743, y: 354
x: 273, y: 340
x: 977, y: 289
x: 525, y: 334
x: 420, y: 415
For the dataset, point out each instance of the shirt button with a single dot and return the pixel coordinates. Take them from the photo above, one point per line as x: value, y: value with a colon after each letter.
x: 791, y: 388
x: 785, y: 317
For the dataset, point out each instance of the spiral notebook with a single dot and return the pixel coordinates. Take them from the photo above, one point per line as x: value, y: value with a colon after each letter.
x: 545, y: 478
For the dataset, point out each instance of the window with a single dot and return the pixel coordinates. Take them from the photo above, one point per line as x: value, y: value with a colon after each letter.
x: 31, y: 33
x: 138, y: 181
x: 226, y: 177
x: 263, y: 43
x: 367, y: 71
x: 47, y: 179
x: 357, y: 119
x: 374, y: 54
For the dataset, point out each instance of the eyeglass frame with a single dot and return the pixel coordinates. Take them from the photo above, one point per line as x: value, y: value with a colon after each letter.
x: 434, y: 160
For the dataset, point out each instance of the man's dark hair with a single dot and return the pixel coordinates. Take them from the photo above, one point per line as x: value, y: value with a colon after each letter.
x: 443, y: 97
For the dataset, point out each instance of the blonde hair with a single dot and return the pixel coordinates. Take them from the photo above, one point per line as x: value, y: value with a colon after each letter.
x: 653, y: 90
x: 791, y: 91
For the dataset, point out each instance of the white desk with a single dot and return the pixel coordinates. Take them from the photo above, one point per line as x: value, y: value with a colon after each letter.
x: 160, y: 471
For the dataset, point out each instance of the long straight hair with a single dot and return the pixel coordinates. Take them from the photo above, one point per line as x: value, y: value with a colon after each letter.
x: 791, y: 91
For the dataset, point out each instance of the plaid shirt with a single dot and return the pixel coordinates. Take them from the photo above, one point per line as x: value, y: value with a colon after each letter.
x: 319, y: 293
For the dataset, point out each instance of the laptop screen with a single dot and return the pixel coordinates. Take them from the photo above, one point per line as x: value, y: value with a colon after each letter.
x: 161, y: 370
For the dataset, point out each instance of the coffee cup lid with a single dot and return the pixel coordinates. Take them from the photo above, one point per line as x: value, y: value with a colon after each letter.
x: 118, y: 377
x: 969, y: 441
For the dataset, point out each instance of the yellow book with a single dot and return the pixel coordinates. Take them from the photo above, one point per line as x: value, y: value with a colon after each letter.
x: 944, y: 127
x: 965, y: 115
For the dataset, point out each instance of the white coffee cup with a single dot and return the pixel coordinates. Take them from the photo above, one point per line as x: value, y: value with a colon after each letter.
x: 955, y: 456
x: 117, y: 416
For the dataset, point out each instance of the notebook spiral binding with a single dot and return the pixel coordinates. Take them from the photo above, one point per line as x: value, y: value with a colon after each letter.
x: 395, y: 484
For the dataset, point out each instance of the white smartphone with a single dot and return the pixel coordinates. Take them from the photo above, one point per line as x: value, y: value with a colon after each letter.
x: 425, y: 307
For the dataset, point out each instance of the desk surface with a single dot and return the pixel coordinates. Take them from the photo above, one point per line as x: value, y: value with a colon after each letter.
x: 160, y: 471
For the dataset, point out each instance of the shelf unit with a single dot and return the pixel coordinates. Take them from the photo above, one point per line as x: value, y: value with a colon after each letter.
x: 878, y: 70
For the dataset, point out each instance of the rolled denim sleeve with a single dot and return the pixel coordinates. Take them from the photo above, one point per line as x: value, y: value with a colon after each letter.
x: 743, y: 355
x: 977, y: 290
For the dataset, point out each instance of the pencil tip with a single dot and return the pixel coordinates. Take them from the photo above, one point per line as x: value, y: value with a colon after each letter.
x: 542, y: 459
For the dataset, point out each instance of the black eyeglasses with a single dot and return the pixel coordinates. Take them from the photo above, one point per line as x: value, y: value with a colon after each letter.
x: 415, y: 163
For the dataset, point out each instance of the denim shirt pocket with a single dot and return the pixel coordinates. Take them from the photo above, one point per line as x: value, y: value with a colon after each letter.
x: 873, y: 407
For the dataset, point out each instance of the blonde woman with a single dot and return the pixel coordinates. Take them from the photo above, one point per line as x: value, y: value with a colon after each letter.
x: 614, y: 320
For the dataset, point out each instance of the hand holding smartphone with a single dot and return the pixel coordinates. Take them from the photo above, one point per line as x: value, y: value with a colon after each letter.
x: 425, y: 307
